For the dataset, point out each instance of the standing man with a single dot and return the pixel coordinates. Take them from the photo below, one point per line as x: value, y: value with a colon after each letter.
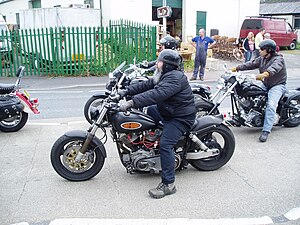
x: 273, y: 75
x: 202, y: 43
x: 259, y: 38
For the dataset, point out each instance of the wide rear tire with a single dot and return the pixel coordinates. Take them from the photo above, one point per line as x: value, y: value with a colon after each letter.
x: 203, y: 108
x: 220, y: 137
x: 64, y: 152
x: 292, y: 113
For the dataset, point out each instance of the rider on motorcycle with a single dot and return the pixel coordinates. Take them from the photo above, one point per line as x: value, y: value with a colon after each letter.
x: 175, y: 107
x: 167, y: 42
x: 273, y: 76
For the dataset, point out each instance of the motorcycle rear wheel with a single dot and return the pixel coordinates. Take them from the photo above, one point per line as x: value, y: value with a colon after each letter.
x: 292, y: 113
x: 63, y: 155
x: 14, y: 123
x: 203, y: 108
x: 220, y: 137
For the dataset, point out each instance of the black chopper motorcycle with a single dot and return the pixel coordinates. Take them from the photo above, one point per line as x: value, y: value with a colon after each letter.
x: 248, y: 102
x: 79, y: 155
x: 134, y: 74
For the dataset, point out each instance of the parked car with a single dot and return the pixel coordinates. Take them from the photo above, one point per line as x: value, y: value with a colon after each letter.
x: 281, y: 31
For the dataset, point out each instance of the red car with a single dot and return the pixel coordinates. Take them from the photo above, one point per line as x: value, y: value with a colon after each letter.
x: 281, y: 31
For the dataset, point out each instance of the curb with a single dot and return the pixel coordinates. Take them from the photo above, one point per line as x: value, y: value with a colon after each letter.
x: 292, y: 215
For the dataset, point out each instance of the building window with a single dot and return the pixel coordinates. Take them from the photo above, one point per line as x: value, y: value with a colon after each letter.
x: 297, y: 22
x: 33, y: 4
x: 90, y: 2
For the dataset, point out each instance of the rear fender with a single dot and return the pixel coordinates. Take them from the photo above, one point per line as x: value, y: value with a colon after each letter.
x: 83, y: 134
x: 206, y: 122
x: 291, y: 94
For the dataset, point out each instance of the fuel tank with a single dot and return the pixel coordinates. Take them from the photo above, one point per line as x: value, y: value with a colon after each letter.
x: 133, y: 121
x: 251, y: 90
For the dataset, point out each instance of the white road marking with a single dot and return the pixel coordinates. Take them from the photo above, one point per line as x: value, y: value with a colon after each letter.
x: 293, y: 214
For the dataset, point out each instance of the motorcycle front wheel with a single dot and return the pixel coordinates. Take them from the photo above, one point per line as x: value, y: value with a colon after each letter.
x: 14, y: 123
x: 221, y: 138
x: 91, y: 102
x: 64, y: 152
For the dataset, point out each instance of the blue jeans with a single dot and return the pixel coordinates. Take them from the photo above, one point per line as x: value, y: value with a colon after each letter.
x: 200, y: 61
x: 248, y: 56
x: 274, y: 95
x: 172, y: 131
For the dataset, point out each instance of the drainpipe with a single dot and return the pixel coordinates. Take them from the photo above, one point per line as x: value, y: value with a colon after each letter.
x: 164, y: 19
x: 100, y: 7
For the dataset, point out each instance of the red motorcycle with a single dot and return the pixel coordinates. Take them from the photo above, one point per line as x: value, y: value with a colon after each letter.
x: 15, y: 104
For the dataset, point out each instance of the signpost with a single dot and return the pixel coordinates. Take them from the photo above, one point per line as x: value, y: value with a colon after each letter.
x: 164, y: 12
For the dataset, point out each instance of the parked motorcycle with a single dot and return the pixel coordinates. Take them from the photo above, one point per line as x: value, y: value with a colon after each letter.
x: 15, y: 104
x: 134, y: 74
x: 80, y: 155
x: 248, y: 102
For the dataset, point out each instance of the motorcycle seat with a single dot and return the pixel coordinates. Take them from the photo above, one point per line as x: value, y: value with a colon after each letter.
x: 6, y: 88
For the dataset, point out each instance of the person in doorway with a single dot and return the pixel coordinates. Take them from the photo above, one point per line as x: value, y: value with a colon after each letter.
x: 259, y: 38
x: 202, y: 43
x: 171, y: 101
x: 273, y: 75
x: 248, y: 46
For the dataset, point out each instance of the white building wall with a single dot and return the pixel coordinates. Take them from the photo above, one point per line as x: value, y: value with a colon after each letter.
x: 62, y: 3
x: 9, y: 10
x: 226, y: 16
x: 134, y: 10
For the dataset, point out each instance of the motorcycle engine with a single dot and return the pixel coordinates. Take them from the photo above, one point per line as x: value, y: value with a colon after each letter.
x: 142, y: 151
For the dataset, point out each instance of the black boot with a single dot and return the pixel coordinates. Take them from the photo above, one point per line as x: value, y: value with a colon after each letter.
x: 162, y: 190
x: 264, y: 136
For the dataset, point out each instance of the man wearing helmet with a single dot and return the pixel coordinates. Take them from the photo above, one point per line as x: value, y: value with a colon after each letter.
x: 273, y: 75
x: 167, y: 42
x: 171, y: 101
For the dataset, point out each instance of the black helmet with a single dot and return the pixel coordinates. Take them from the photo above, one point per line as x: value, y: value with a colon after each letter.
x: 268, y: 44
x: 169, y: 42
x: 169, y: 56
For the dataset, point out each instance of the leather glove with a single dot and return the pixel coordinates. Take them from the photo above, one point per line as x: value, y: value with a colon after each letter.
x: 124, y: 105
x: 262, y: 75
x: 122, y: 92
x: 233, y: 69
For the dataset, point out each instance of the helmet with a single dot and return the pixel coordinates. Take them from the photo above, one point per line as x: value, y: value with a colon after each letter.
x: 169, y: 56
x: 169, y: 42
x: 268, y: 44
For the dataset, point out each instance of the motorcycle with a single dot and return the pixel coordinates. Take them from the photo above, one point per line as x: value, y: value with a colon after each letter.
x: 134, y: 74
x: 15, y: 104
x: 248, y: 102
x: 80, y: 155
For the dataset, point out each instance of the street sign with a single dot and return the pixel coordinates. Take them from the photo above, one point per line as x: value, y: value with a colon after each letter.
x: 164, y: 11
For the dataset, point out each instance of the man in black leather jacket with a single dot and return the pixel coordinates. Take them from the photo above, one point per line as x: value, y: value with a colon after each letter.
x: 175, y: 106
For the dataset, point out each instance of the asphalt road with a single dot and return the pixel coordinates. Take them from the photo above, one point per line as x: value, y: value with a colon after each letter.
x: 259, y: 184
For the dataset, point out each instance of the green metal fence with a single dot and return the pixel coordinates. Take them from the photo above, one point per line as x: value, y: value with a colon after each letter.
x: 76, y: 50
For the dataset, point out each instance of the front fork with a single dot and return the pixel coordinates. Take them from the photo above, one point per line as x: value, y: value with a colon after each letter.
x: 91, y: 134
